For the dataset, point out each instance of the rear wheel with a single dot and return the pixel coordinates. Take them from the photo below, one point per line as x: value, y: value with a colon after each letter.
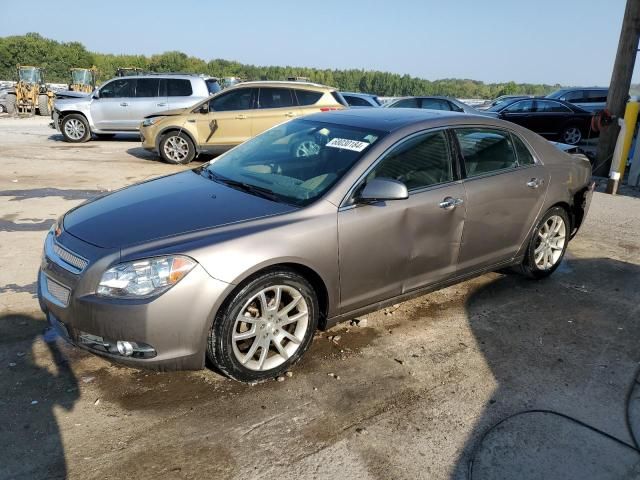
x: 177, y: 148
x: 547, y: 244
x: 43, y: 106
x: 11, y: 103
x: 571, y: 135
x: 75, y: 128
x: 265, y: 328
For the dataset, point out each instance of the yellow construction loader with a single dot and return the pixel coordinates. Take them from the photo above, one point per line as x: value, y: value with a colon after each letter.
x: 30, y: 93
x: 83, y: 79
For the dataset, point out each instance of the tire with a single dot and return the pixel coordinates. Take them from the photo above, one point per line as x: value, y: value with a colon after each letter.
x: 571, y: 135
x: 104, y: 136
x: 231, y: 356
x: 177, y: 148
x: 75, y: 128
x: 11, y: 103
x: 43, y: 106
x: 533, y: 265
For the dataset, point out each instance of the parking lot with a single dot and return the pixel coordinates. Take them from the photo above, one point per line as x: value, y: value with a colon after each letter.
x: 413, y: 391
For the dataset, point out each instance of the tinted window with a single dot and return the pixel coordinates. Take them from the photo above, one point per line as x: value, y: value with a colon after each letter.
x: 237, y: 99
x: 356, y: 101
x: 419, y: 162
x: 577, y: 96
x: 485, y: 150
x: 435, y: 104
x: 522, y: 106
x: 275, y: 98
x: 147, y: 87
x: 338, y: 98
x: 406, y: 103
x: 307, y: 97
x: 524, y: 155
x: 551, y: 107
x: 118, y: 89
x: 178, y: 88
x: 597, y: 96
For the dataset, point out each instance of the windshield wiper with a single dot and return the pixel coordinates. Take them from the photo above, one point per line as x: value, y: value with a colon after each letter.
x: 245, y: 187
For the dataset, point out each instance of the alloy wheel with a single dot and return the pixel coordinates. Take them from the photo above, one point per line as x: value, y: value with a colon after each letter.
x: 270, y: 327
x: 176, y: 148
x: 74, y: 129
x: 572, y: 135
x: 550, y: 242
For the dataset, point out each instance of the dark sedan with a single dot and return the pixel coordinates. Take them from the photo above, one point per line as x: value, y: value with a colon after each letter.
x: 550, y: 118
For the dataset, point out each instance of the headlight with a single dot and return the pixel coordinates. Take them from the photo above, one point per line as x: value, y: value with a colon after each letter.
x: 144, y: 278
x: 147, y: 122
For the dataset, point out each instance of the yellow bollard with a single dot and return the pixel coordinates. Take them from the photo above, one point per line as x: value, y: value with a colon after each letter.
x: 630, y: 119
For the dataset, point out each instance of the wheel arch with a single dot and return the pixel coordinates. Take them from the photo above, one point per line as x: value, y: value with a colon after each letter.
x: 171, y: 129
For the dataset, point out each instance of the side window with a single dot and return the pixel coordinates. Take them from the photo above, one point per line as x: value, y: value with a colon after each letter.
x: 237, y: 99
x: 524, y: 155
x: 356, y: 101
x: 275, y: 98
x: 177, y: 87
x: 307, y: 97
x: 118, y: 89
x: 577, y: 96
x: 406, y: 103
x: 453, y: 107
x: 422, y: 161
x: 147, y: 87
x: 546, y: 106
x: 523, y: 106
x: 485, y: 150
x: 597, y: 96
x: 435, y: 104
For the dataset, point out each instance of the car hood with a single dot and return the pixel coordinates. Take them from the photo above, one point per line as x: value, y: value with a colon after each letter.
x: 75, y: 102
x: 64, y: 94
x: 165, y: 207
x: 169, y: 113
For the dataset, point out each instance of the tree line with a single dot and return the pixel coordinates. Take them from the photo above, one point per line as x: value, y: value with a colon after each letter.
x: 58, y: 57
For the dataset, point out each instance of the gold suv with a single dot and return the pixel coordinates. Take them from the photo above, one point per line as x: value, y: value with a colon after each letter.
x: 233, y: 116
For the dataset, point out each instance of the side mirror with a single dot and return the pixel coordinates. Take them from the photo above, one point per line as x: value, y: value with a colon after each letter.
x: 383, y: 189
x: 204, y: 108
x: 96, y: 94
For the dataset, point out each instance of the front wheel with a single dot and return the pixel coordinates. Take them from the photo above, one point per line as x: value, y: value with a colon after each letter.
x: 43, y: 106
x: 75, y: 128
x: 571, y: 135
x: 177, y: 148
x: 11, y: 103
x: 547, y: 244
x: 265, y: 327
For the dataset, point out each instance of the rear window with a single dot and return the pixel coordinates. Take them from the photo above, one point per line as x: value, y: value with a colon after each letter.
x: 307, y: 97
x: 147, y: 87
x: 178, y: 87
x: 405, y: 103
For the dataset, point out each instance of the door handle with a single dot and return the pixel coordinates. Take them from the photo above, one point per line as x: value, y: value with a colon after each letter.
x: 161, y: 104
x: 240, y: 117
x: 124, y: 104
x: 289, y: 114
x: 534, y: 183
x: 449, y: 203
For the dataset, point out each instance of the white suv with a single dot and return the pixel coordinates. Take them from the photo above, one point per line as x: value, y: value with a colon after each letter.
x: 120, y: 105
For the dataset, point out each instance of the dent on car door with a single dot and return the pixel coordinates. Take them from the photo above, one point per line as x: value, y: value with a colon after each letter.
x: 274, y: 106
x: 228, y: 121
x: 110, y: 110
x: 505, y: 189
x: 390, y: 248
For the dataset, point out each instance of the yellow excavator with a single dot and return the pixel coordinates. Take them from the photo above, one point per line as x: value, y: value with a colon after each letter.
x: 30, y: 93
x: 83, y: 79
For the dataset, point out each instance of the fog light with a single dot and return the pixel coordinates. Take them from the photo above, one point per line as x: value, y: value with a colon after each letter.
x: 124, y: 348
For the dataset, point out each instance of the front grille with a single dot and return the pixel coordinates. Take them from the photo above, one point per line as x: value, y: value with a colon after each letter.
x: 71, y: 258
x: 58, y: 291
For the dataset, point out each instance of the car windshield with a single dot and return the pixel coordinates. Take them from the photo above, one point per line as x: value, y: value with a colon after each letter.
x: 295, y: 163
x: 29, y: 75
x: 82, y: 77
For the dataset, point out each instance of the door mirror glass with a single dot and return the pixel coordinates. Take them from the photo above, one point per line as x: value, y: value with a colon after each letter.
x: 204, y: 108
x: 382, y: 189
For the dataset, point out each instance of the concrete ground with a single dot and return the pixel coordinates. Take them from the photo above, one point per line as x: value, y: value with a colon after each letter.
x: 498, y: 377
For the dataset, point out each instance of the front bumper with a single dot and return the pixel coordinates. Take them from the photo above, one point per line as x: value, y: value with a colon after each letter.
x: 147, y: 135
x: 169, y: 331
x: 55, y: 117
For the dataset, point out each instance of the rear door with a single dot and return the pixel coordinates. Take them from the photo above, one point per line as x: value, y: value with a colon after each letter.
x: 505, y: 188
x: 228, y: 122
x: 148, y: 100
x: 179, y: 93
x: 549, y: 117
x: 111, y: 110
x: 274, y: 106
x: 307, y: 100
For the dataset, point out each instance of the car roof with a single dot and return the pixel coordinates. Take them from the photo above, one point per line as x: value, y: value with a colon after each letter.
x: 359, y: 94
x: 283, y: 83
x: 181, y: 76
x: 388, y: 119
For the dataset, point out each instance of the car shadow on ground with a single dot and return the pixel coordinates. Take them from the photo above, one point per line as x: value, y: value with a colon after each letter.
x: 143, y: 154
x: 124, y: 137
x: 30, y: 438
x: 564, y: 355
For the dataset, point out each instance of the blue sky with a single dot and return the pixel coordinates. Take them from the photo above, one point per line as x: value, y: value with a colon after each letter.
x: 571, y: 42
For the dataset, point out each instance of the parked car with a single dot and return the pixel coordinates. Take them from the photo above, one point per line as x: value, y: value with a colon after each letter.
x: 234, y: 115
x: 361, y: 99
x: 550, y: 118
x: 589, y: 99
x: 501, y: 99
x: 433, y: 103
x: 120, y: 104
x: 241, y: 259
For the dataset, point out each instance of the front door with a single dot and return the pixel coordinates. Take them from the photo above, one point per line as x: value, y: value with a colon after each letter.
x: 520, y: 112
x: 111, y: 110
x: 228, y: 122
x: 390, y: 248
x: 505, y: 189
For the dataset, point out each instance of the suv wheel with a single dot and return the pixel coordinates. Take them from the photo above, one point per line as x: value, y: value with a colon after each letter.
x: 177, y: 148
x: 75, y: 128
x: 265, y: 328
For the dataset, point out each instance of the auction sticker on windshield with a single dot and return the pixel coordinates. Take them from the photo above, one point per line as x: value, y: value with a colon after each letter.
x: 347, y: 144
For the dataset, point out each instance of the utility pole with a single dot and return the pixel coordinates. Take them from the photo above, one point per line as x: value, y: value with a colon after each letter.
x: 619, y: 87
